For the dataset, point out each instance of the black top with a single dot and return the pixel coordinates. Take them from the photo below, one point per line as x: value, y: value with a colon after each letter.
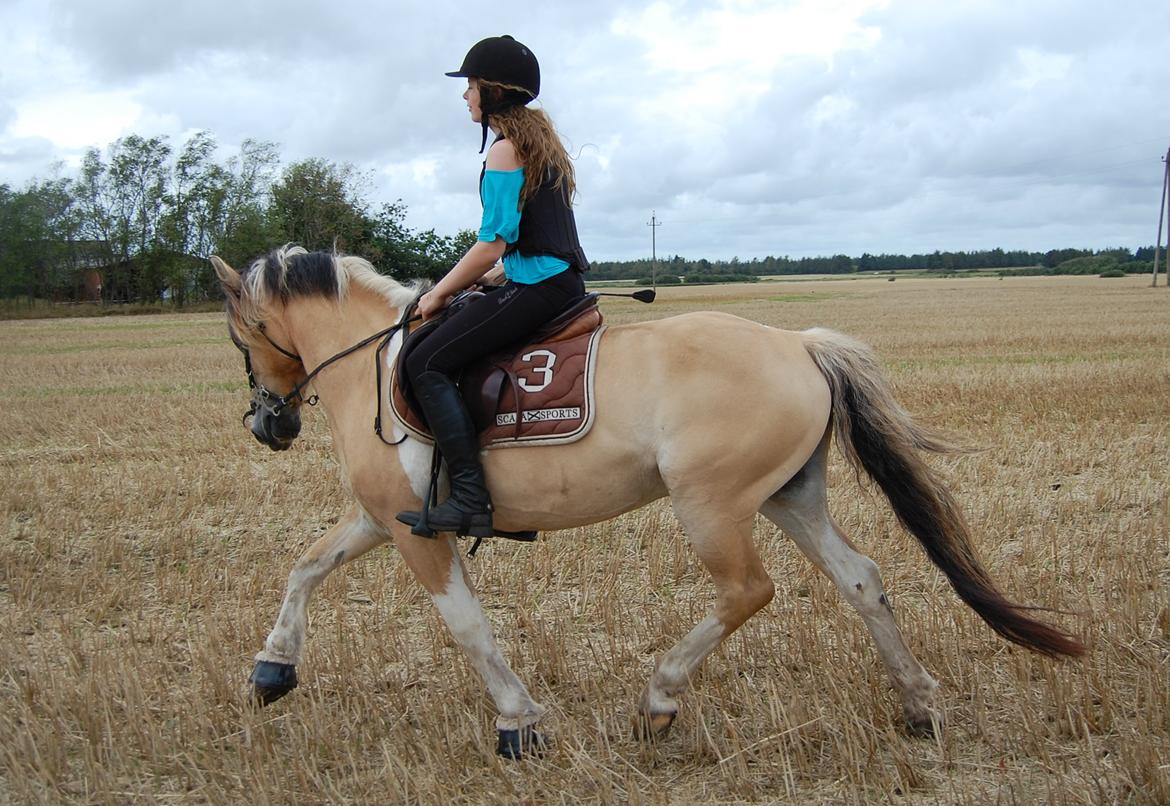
x: 547, y: 224
x: 548, y: 227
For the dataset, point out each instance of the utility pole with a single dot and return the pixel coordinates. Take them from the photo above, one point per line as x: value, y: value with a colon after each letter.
x: 1161, y: 215
x: 654, y: 224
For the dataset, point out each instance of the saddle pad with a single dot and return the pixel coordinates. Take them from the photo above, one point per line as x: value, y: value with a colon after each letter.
x: 541, y: 395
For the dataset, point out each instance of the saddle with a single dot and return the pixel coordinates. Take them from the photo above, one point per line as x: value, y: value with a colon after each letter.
x: 539, y: 392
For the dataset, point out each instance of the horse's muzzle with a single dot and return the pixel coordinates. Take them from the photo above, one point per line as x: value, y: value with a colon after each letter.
x: 276, y: 432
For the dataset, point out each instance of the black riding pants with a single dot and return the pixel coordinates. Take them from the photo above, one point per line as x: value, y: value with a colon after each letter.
x: 503, y: 317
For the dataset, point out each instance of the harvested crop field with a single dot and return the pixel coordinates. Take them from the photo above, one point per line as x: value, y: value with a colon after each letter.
x: 147, y: 537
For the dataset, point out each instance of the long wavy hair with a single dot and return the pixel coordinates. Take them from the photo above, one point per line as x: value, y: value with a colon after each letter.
x: 538, y: 146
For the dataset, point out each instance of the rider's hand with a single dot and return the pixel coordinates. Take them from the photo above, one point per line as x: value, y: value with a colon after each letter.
x: 430, y: 304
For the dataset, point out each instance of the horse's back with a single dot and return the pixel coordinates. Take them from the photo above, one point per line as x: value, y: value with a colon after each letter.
x: 712, y: 390
x: 710, y: 356
x: 701, y: 399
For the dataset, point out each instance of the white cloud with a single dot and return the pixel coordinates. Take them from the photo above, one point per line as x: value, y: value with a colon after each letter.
x: 747, y: 37
x: 76, y: 120
x: 791, y: 127
x: 1036, y: 67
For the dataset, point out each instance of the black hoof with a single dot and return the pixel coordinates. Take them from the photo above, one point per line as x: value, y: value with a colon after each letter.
x: 271, y: 681
x: 924, y: 728
x: 515, y: 744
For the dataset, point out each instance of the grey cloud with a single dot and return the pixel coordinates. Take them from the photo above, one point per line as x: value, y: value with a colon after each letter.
x: 132, y: 38
x: 925, y: 140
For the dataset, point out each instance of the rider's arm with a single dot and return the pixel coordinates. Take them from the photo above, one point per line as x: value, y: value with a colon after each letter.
x: 503, y: 180
x: 474, y: 264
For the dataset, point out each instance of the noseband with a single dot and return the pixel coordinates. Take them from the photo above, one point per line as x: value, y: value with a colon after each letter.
x: 262, y: 396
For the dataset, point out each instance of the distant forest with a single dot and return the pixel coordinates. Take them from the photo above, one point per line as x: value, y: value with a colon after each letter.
x: 137, y: 222
x: 1054, y: 261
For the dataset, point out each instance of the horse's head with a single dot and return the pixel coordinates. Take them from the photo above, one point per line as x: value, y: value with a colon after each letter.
x: 276, y: 374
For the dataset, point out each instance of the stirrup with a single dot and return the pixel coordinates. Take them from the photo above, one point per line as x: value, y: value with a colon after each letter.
x: 464, y: 522
x: 413, y: 519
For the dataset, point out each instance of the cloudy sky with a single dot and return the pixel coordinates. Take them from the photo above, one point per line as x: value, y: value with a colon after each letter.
x: 791, y: 127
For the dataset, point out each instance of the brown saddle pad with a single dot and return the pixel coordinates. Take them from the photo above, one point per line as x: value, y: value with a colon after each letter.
x: 539, y: 393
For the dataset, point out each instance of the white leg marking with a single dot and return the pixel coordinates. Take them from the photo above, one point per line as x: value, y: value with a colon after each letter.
x: 351, y: 537
x: 672, y: 674
x: 803, y: 517
x: 461, y: 610
x: 415, y: 458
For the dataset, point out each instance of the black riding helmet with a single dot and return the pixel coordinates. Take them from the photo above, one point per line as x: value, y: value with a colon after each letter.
x: 503, y: 60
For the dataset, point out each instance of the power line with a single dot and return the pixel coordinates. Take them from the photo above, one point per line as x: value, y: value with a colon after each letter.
x: 1084, y: 152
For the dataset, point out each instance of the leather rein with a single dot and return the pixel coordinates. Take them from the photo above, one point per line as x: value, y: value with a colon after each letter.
x: 274, y: 404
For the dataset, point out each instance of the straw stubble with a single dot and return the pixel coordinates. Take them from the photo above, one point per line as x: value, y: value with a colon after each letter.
x: 148, y: 537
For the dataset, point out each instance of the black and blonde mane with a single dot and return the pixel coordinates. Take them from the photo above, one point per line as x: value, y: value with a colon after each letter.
x: 292, y: 271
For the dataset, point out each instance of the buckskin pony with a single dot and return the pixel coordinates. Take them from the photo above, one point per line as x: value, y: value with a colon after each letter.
x: 661, y: 428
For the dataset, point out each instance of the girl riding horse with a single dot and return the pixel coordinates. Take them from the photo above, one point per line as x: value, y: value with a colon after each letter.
x: 526, y: 188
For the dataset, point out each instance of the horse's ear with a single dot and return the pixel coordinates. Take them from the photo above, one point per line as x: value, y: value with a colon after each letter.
x: 228, y: 277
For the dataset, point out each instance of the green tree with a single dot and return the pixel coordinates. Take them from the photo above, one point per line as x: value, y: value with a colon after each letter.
x: 194, y: 204
x: 841, y: 264
x: 37, y: 231
x: 404, y: 253
x: 1054, y: 257
x: 214, y: 208
x: 122, y: 202
x: 245, y: 230
x: 320, y: 204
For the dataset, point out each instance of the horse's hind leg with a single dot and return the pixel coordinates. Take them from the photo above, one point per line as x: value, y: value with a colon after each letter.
x: 801, y: 510
x: 275, y: 672
x: 724, y: 544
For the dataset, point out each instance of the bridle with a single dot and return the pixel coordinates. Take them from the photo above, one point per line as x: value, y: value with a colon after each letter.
x: 262, y: 396
x: 265, y: 399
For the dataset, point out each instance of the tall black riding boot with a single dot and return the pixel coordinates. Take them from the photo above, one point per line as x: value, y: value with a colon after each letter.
x: 468, y: 510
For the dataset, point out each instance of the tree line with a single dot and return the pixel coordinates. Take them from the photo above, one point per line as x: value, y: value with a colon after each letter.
x: 143, y: 218
x: 1054, y: 261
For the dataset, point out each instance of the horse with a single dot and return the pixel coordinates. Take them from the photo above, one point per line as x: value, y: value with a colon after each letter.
x: 664, y: 390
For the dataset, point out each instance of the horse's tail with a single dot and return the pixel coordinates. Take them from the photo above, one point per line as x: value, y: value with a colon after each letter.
x: 876, y: 434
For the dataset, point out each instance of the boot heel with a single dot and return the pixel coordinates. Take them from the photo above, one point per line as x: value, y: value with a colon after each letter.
x: 414, y: 521
x: 479, y: 527
x: 422, y: 531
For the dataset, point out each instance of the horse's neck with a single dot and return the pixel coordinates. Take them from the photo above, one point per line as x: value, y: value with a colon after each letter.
x: 347, y: 389
x: 323, y: 328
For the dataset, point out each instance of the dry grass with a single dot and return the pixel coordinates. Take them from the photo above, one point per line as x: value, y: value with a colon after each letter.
x: 146, y: 538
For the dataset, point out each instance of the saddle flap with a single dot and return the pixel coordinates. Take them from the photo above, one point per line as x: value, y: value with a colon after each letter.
x: 538, y: 391
x: 483, y: 409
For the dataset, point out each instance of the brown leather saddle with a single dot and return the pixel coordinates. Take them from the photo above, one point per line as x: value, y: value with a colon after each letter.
x: 539, y: 392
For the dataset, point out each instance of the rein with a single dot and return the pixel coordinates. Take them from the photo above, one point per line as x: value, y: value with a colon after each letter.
x: 274, y: 404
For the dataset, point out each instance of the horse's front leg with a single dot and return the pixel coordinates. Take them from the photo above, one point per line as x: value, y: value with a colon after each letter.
x: 438, y: 568
x: 275, y: 672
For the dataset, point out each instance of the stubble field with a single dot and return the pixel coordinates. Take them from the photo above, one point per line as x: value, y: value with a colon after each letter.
x: 146, y: 538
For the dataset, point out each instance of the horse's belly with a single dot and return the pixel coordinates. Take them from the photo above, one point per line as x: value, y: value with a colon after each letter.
x: 558, y: 487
